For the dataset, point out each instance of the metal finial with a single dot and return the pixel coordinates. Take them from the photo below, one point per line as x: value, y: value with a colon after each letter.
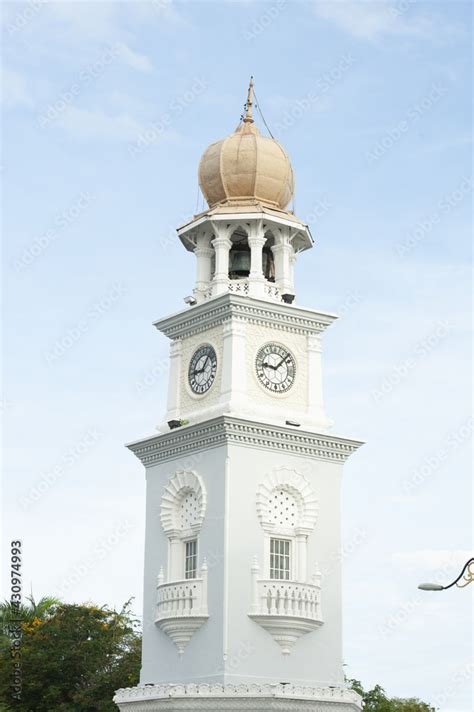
x: 248, y: 118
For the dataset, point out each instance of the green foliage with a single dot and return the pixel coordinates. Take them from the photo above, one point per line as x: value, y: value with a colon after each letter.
x: 376, y: 700
x: 26, y: 612
x: 73, y: 658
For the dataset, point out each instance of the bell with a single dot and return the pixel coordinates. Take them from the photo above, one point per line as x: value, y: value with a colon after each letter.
x: 268, y: 265
x: 240, y: 263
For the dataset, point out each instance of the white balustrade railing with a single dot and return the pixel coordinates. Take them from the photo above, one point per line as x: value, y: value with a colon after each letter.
x: 272, y: 291
x: 287, y: 598
x: 181, y: 599
x: 239, y: 286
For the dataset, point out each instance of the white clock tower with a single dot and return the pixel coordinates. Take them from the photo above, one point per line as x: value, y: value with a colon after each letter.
x: 244, y: 482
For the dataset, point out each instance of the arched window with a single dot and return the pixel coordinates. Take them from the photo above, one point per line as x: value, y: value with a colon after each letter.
x: 287, y: 509
x: 183, y: 508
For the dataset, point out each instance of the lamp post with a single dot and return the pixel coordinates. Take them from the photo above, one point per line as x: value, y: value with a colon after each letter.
x: 467, y: 576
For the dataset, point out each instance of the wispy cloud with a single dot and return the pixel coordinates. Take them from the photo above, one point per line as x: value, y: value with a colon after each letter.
x: 15, y: 91
x: 372, y: 19
x: 135, y: 60
x: 96, y: 124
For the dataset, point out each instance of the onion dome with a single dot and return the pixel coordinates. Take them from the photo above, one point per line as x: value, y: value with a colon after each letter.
x: 246, y: 167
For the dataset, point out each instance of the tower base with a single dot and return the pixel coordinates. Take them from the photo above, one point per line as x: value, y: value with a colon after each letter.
x: 223, y: 698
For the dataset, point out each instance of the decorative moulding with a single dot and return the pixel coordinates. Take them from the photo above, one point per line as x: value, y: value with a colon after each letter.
x: 212, y: 313
x: 249, y: 697
x: 225, y: 429
x: 295, y: 483
x: 179, y: 484
x: 284, y: 629
x: 181, y: 629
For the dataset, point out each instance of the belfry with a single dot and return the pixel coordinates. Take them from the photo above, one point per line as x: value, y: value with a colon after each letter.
x: 242, y: 589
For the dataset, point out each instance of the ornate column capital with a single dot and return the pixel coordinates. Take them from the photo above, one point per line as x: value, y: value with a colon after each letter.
x: 314, y: 344
x: 234, y: 326
x: 204, y: 251
x: 222, y: 244
x: 256, y: 240
x: 176, y: 347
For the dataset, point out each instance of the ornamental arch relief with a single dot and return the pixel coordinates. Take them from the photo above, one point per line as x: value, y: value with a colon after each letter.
x: 183, y: 504
x: 286, y: 501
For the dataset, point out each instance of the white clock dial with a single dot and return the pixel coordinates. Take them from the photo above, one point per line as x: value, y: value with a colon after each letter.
x: 202, y: 369
x: 276, y: 367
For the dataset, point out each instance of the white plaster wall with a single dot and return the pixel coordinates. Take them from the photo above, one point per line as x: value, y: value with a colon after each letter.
x: 252, y: 654
x: 202, y: 660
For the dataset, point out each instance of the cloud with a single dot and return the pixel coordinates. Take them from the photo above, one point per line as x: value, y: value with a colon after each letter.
x: 86, y: 124
x: 15, y: 92
x: 371, y: 19
x: 137, y: 61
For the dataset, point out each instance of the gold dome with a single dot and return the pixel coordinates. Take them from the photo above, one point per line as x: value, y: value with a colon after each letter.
x: 246, y: 167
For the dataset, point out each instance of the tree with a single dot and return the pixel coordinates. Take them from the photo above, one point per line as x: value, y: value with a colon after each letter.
x: 10, y: 612
x: 73, y: 658
x: 376, y: 700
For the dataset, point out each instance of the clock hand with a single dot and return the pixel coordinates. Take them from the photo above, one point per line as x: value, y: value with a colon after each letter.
x: 201, y: 370
x: 269, y: 365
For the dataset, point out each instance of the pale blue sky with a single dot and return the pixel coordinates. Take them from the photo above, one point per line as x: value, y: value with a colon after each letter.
x: 107, y: 109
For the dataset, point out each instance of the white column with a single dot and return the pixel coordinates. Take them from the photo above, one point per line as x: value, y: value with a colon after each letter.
x: 266, y: 555
x: 176, y: 563
x: 282, y: 253
x: 256, y: 240
x: 233, y: 389
x: 278, y: 255
x: 204, y: 571
x: 174, y: 383
x: 301, y: 573
x: 255, y: 574
x: 221, y: 244
x: 292, y: 270
x: 315, y: 380
x: 203, y: 252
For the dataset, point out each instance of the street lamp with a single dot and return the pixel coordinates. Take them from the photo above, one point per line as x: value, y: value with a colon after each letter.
x: 467, y: 576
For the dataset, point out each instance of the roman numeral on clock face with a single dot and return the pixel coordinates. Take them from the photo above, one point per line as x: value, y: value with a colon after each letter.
x: 275, y: 367
x: 202, y: 369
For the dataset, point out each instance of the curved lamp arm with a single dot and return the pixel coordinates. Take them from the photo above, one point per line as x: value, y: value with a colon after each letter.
x: 467, y: 576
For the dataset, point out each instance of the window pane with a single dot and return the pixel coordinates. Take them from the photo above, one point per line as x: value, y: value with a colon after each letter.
x: 190, y: 560
x: 279, y: 559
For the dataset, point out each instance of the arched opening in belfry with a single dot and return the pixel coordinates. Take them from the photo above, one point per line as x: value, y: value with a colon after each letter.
x: 268, y: 262
x: 239, y: 256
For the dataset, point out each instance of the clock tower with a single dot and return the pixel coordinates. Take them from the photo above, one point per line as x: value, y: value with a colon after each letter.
x: 242, y: 589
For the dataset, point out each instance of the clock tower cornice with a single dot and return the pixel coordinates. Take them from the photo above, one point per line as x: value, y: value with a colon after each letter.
x: 226, y: 429
x: 202, y: 317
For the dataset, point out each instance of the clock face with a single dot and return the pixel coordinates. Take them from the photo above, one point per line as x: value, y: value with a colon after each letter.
x: 276, y: 368
x: 202, y: 369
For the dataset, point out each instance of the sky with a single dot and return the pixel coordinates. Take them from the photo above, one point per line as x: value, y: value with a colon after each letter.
x: 107, y: 108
